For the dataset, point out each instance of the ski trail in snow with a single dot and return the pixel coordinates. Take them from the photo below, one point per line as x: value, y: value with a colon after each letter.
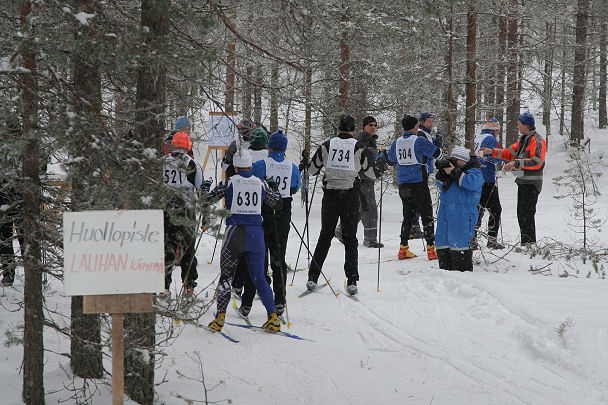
x: 478, y: 303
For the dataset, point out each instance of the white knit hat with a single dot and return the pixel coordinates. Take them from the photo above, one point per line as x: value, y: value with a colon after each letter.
x: 462, y: 153
x: 242, y: 159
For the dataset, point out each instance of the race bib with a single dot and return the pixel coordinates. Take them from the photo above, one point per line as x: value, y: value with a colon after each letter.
x: 280, y: 172
x: 174, y: 172
x: 405, y: 151
x: 341, y: 154
x: 246, y: 195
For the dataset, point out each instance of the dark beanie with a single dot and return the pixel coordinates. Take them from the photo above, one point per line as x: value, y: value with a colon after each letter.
x: 408, y: 122
x: 368, y: 119
x: 347, y: 123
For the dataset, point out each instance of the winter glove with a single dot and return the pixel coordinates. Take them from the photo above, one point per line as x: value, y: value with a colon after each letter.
x: 455, y: 174
x: 272, y: 183
x: 206, y: 185
x: 305, y: 162
x: 438, y: 139
x: 442, y: 176
x: 380, y: 164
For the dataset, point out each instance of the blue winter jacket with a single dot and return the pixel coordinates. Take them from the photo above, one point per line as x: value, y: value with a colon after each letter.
x: 415, y: 173
x: 259, y: 170
x: 458, y: 212
x: 488, y: 163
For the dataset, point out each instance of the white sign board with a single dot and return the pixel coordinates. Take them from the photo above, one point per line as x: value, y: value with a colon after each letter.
x: 222, y: 129
x: 113, y: 252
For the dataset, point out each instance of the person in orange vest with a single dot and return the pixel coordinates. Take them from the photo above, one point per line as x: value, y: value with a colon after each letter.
x: 528, y: 156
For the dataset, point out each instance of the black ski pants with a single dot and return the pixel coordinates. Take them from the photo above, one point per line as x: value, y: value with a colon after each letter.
x: 417, y: 197
x: 343, y: 205
x: 527, y: 197
x: 179, y: 239
x: 490, y: 201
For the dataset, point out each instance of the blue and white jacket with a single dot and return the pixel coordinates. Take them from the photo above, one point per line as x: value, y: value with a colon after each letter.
x: 415, y: 171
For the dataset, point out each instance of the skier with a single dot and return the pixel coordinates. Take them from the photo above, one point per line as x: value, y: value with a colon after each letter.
x: 182, y: 124
x: 490, y: 199
x: 460, y: 182
x: 244, y: 235
x: 528, y: 155
x: 244, y: 128
x: 343, y: 158
x: 183, y: 176
x: 11, y: 201
x: 425, y: 130
x: 408, y: 153
x: 369, y: 213
x: 276, y: 223
x: 257, y: 142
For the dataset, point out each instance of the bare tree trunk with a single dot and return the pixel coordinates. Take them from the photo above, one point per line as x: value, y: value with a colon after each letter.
x: 562, y: 114
x: 499, y: 112
x: 450, y: 103
x: 33, y: 344
x: 548, y: 78
x: 150, y: 116
x: 257, y: 95
x: 577, y: 131
x: 603, y: 118
x: 247, y: 92
x: 230, y: 67
x: 85, y: 345
x: 512, y: 79
x: 471, y: 82
x: 274, y: 95
x: 344, y: 63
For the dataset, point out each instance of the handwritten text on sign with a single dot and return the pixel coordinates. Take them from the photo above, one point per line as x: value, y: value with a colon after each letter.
x: 113, y: 252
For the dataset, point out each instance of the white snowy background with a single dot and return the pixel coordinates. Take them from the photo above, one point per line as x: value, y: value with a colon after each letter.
x: 427, y: 336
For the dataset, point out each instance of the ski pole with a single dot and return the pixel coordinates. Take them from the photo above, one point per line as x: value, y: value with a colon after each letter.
x: 216, y: 239
x: 380, y: 232
x: 306, y: 246
x: 305, y: 228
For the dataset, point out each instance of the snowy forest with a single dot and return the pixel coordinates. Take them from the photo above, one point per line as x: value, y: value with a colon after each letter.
x: 91, y: 88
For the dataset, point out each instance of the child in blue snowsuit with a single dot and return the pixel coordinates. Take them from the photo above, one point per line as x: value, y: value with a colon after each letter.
x: 244, y: 235
x: 460, y: 181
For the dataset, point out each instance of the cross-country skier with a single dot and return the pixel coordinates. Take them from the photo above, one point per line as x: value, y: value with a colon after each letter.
x: 460, y: 181
x: 343, y: 158
x: 527, y: 155
x: 369, y: 212
x: 183, y: 176
x: 408, y: 153
x: 276, y: 222
x: 244, y: 235
x: 490, y: 199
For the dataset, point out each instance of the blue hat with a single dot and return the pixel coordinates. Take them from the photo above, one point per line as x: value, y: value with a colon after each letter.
x: 526, y: 119
x: 425, y: 115
x: 182, y: 122
x: 278, y: 141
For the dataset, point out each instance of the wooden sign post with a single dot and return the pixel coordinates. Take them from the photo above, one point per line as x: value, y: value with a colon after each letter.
x: 115, y: 260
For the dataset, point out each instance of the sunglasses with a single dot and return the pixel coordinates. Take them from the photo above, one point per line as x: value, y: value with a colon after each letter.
x: 373, y: 124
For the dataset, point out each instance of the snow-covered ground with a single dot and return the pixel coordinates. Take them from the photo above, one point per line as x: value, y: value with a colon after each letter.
x: 427, y: 336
